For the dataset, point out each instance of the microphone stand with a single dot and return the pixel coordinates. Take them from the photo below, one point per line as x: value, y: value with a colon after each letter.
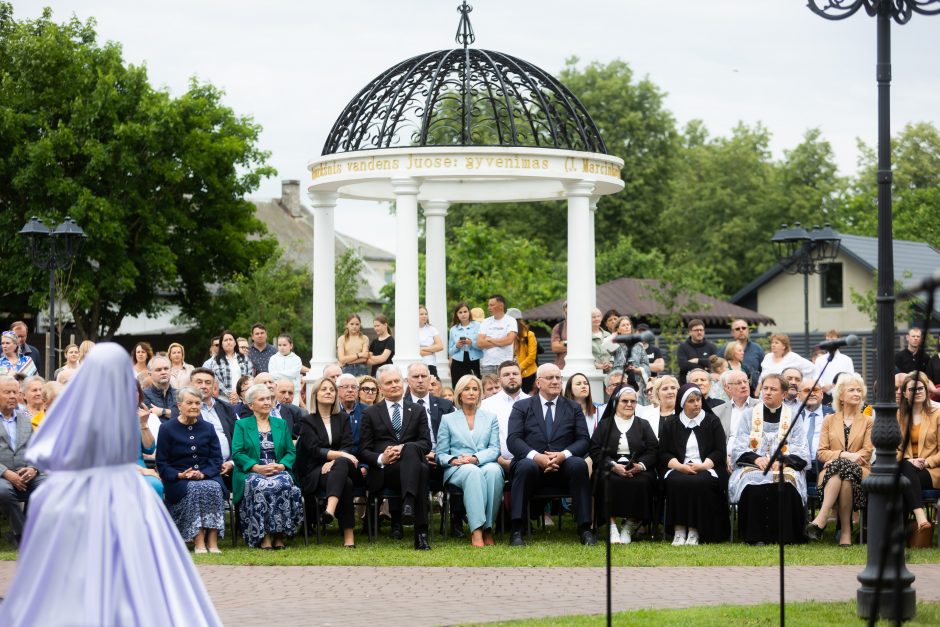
x: 781, y: 483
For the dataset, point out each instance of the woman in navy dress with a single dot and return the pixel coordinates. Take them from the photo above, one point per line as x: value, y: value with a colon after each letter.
x: 189, y: 460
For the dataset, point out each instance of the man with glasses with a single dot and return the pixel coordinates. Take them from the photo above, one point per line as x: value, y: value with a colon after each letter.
x: 813, y: 416
x: 730, y: 413
x: 548, y: 439
x: 753, y: 354
x: 213, y: 351
x: 284, y: 397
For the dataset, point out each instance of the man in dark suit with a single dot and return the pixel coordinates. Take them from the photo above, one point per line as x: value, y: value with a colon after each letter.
x: 17, y: 478
x: 284, y: 408
x: 548, y: 439
x: 394, y: 442
x: 419, y: 393
x: 219, y: 414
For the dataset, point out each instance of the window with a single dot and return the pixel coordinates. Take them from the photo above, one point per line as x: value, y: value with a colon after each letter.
x: 830, y: 279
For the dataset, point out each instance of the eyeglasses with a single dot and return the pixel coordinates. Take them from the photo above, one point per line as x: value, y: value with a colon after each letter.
x: 739, y: 328
x: 369, y: 390
x: 349, y: 386
x: 627, y: 401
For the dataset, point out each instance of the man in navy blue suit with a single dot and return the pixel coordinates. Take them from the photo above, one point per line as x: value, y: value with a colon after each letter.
x: 548, y: 439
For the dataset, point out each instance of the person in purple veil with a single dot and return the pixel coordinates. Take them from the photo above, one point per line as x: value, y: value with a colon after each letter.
x: 99, y: 548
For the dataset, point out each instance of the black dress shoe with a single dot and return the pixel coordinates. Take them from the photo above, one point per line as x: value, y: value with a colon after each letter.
x: 456, y: 530
x: 421, y: 542
x: 397, y: 533
x: 587, y: 538
x: 813, y: 532
x: 515, y: 539
x: 326, y: 518
x: 408, y: 514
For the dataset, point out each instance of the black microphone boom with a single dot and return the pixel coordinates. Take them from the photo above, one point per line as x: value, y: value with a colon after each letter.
x: 633, y: 338
x: 831, y: 345
x: 928, y: 284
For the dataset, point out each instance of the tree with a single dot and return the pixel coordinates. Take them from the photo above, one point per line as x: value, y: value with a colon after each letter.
x: 157, y: 183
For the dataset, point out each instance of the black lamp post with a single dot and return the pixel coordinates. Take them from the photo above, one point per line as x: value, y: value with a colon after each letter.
x: 874, y: 599
x: 803, y: 252
x: 51, y: 249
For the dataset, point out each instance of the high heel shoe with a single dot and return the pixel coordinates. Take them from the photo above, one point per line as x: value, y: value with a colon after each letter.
x: 813, y: 532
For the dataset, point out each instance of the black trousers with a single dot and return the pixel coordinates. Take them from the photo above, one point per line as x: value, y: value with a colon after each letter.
x: 527, y: 479
x: 409, y: 476
x: 465, y: 366
x: 339, y: 483
x: 918, y: 480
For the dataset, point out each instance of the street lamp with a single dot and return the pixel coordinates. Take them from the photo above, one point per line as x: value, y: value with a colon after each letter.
x: 804, y: 252
x: 872, y: 598
x: 51, y: 249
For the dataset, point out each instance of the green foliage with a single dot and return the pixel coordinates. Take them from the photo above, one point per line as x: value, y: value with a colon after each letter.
x: 904, y: 310
x: 157, y: 183
x: 623, y: 258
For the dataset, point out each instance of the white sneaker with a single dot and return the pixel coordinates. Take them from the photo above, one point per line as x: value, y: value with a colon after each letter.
x: 614, y: 534
x: 692, y: 539
x: 679, y: 540
x: 626, y: 532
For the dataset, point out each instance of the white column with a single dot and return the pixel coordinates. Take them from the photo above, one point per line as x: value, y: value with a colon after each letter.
x: 580, y: 288
x: 324, y: 284
x: 435, y: 277
x: 406, y: 272
x: 592, y: 252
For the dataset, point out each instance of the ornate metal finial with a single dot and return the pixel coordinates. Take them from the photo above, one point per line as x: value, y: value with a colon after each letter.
x: 465, y: 34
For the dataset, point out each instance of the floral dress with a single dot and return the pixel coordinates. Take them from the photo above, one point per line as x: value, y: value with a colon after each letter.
x: 847, y: 471
x: 271, y: 504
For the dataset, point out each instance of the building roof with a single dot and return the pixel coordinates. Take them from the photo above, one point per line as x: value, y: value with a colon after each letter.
x: 913, y: 261
x: 635, y: 298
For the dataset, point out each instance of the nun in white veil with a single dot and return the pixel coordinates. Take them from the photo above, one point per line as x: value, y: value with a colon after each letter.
x: 99, y: 548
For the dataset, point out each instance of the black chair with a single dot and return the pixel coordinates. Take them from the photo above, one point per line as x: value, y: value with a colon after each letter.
x: 545, y: 494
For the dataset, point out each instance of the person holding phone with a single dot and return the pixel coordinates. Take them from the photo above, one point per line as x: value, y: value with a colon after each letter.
x: 462, y: 344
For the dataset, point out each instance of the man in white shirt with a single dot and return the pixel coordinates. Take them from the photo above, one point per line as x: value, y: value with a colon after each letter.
x: 219, y: 415
x: 500, y: 404
x: 497, y: 335
x: 813, y: 416
x: 738, y: 389
x: 840, y: 363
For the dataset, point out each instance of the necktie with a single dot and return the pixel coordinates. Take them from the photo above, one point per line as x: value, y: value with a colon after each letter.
x: 549, y: 421
x: 396, y: 420
x: 421, y: 402
x: 810, y: 434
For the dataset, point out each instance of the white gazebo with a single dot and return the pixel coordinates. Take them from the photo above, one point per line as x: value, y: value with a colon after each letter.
x: 459, y: 126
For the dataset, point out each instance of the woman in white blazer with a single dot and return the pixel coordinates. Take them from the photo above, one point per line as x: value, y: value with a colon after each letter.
x: 467, y: 449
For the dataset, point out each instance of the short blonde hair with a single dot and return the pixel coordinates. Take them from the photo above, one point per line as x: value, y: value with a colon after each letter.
x: 845, y: 379
x: 462, y: 384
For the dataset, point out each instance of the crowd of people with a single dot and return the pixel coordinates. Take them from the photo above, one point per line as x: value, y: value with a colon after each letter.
x: 658, y: 448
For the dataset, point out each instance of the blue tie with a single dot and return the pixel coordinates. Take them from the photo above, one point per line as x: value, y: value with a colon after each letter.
x: 810, y: 433
x: 549, y: 421
x: 396, y: 420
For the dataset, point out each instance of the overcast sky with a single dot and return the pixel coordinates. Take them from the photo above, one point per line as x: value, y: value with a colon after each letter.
x: 294, y: 64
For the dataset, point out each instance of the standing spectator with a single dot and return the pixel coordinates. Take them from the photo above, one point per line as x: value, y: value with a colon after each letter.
x: 933, y: 369
x: 611, y: 317
x: 160, y: 397
x: 840, y: 363
x: 913, y: 357
x: 382, y: 348
x: 753, y: 354
x: 734, y: 355
x: 632, y: 361
x: 140, y: 357
x: 11, y: 362
x: 352, y: 347
x: 189, y: 460
x: 560, y: 339
x: 214, y: 350
x: 781, y: 357
x: 180, y: 371
x: 242, y: 346
x: 71, y: 361
x: 497, y: 336
x: 260, y: 352
x: 18, y: 479
x: 229, y: 365
x: 287, y: 365
x: 20, y: 329
x: 462, y: 344
x: 429, y: 340
x: 83, y: 349
x: 526, y: 350
x: 602, y: 359
x: 695, y: 350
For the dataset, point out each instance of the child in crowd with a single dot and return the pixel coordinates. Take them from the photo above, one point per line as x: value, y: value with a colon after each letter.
x: 286, y: 364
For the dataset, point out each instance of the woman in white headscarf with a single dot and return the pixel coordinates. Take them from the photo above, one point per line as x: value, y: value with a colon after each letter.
x: 99, y: 547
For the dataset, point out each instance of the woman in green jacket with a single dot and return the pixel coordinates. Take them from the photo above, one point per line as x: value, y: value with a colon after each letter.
x: 263, y: 488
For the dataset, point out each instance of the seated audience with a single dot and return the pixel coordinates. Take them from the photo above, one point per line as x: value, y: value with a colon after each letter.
x: 269, y: 505
x: 148, y: 445
x: 368, y: 390
x: 548, y: 440
x: 757, y: 494
x: 324, y: 457
x: 578, y: 389
x: 50, y: 390
x: 219, y: 414
x: 693, y: 464
x: 845, y: 449
x: 18, y: 480
x: 467, y: 449
x: 189, y: 461
x: 628, y: 448
x: 160, y: 396
x: 920, y: 461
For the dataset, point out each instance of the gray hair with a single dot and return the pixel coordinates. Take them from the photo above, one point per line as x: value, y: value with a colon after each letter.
x: 418, y: 364
x: 346, y: 377
x: 611, y: 374
x: 7, y: 379
x: 253, y: 392
x: 386, y: 368
x: 29, y: 380
x: 725, y: 377
x: 155, y: 358
x: 187, y: 391
x: 702, y: 370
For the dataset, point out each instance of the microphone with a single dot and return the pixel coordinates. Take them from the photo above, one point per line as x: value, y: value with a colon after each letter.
x: 928, y: 284
x: 633, y: 338
x: 831, y: 345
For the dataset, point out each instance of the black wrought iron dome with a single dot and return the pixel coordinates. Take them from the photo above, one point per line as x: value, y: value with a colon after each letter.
x: 464, y: 97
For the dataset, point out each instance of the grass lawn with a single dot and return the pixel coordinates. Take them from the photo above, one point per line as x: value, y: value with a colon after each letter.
x: 549, y: 547
x: 809, y: 614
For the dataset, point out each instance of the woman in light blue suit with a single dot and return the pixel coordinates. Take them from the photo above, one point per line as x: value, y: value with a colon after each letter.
x: 467, y: 448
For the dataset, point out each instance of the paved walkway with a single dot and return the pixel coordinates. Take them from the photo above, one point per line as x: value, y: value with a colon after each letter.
x: 374, y: 596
